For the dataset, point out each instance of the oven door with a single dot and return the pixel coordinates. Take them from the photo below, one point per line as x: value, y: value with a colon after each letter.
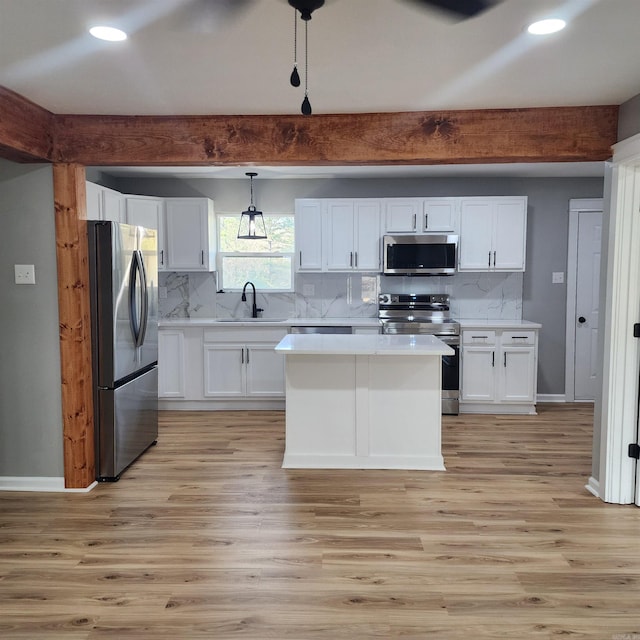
x: 451, y: 376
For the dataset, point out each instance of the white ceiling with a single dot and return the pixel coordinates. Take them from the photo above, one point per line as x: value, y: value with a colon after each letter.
x: 364, y: 56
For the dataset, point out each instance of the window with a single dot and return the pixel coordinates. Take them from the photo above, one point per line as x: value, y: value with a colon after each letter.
x: 267, y: 263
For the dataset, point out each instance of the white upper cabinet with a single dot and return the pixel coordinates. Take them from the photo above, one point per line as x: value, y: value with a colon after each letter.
x: 190, y: 234
x: 144, y: 211
x: 147, y: 211
x: 308, y: 230
x: 493, y: 234
x: 367, y: 235
x: 104, y: 203
x: 352, y: 235
x: 440, y: 214
x: 417, y: 215
x: 338, y: 234
x: 402, y: 215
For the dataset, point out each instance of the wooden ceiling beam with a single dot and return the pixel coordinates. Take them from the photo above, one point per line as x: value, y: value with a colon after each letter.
x: 26, y: 129
x: 549, y: 134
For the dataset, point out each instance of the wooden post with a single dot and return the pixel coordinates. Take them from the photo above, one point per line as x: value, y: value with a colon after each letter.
x: 75, y: 324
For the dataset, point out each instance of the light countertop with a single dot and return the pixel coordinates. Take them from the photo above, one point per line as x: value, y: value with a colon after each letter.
x: 269, y: 322
x: 475, y: 323
x: 375, y: 345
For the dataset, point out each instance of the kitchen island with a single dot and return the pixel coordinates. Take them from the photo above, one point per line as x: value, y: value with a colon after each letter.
x: 363, y: 401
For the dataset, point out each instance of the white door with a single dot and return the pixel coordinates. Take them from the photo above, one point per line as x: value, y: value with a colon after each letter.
x: 478, y: 374
x: 509, y: 235
x: 339, y: 246
x: 265, y: 370
x: 476, y: 234
x: 402, y: 215
x: 308, y: 230
x: 186, y: 229
x: 224, y: 370
x: 367, y: 235
x: 439, y: 214
x: 518, y: 369
x: 587, y: 295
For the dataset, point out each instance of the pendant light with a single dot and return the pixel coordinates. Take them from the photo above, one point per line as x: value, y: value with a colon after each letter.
x: 306, y: 8
x: 251, y: 221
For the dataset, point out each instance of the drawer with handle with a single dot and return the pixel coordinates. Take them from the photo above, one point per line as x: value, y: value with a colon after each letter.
x: 478, y: 336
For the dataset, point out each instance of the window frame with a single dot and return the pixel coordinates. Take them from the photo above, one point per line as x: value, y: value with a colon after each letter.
x: 220, y: 255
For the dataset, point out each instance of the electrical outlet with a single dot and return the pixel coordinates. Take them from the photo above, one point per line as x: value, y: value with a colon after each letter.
x: 308, y: 290
x: 25, y: 273
x: 557, y: 277
x: 162, y: 292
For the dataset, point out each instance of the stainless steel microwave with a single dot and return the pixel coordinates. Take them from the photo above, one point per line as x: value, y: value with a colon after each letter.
x: 426, y: 254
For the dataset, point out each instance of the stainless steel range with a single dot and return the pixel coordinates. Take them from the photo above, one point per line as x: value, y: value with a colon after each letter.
x: 426, y: 313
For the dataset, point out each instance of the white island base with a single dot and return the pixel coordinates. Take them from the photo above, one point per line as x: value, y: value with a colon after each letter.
x: 363, y: 401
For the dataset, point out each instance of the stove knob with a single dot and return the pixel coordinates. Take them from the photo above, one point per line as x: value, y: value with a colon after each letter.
x: 384, y: 298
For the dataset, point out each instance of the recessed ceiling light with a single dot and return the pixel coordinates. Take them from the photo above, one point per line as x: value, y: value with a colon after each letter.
x: 543, y: 27
x: 108, y: 33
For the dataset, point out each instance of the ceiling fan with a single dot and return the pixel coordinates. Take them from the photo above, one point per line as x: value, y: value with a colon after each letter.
x: 204, y: 12
x: 462, y: 9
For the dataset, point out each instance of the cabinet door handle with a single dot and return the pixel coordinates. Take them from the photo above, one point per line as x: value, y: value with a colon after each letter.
x: 414, y: 221
x: 301, y: 258
x: 247, y: 355
x: 426, y: 220
x: 494, y: 258
x: 493, y: 358
x: 505, y: 359
x: 474, y: 337
x: 356, y: 259
x: 489, y: 263
x: 351, y: 259
x: 242, y: 355
x: 162, y: 256
x: 202, y: 257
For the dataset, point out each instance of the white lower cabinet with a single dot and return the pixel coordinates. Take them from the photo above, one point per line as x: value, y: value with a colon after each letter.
x: 220, y: 368
x: 243, y: 363
x: 171, y: 364
x: 498, y: 370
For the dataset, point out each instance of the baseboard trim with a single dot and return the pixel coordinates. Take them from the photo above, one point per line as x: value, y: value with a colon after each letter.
x: 277, y: 404
x: 551, y: 397
x: 593, y: 486
x: 45, y: 484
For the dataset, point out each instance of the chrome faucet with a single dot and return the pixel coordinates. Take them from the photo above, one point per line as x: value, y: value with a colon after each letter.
x: 254, y: 308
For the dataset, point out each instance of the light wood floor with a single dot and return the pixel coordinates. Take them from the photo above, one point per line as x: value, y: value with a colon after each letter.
x: 206, y: 537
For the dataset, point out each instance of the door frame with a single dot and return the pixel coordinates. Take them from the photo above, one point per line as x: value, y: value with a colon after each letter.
x: 576, y: 207
x: 615, y: 419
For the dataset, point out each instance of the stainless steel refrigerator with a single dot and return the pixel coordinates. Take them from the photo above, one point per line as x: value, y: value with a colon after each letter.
x: 123, y: 267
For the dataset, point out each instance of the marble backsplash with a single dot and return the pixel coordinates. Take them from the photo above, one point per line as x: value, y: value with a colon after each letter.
x: 324, y: 295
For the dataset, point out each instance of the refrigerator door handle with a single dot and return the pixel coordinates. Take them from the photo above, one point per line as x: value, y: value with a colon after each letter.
x: 136, y: 274
x: 144, y: 314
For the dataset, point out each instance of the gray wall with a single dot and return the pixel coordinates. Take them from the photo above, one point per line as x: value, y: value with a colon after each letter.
x: 629, y: 118
x: 548, y: 225
x: 30, y: 395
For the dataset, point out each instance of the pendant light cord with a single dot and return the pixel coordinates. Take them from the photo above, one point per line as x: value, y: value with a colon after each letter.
x: 295, y: 38
x: 306, y: 57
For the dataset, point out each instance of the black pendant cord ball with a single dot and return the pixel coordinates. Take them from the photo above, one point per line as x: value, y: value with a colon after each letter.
x: 306, y: 105
x: 295, y: 76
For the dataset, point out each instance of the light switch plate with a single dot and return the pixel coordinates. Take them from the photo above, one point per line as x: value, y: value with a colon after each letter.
x: 25, y: 273
x: 557, y: 277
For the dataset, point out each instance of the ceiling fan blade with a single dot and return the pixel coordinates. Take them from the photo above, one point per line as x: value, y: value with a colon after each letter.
x: 461, y: 8
x: 208, y: 16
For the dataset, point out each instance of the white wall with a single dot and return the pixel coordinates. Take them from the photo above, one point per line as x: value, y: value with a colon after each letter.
x: 30, y: 394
